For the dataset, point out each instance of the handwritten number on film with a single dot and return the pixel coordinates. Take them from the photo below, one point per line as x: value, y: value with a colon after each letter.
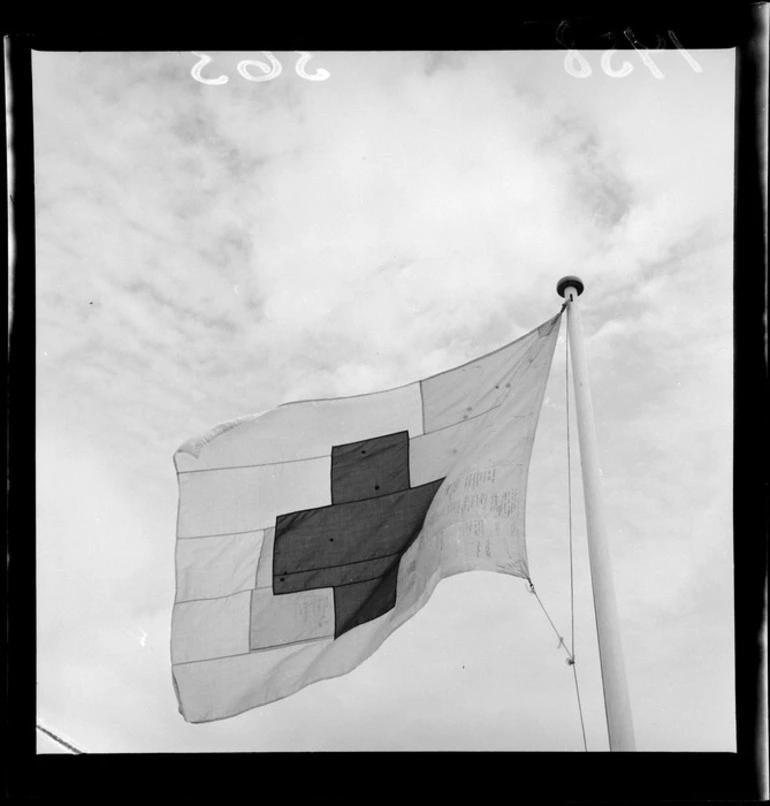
x: 577, y: 65
x: 256, y: 70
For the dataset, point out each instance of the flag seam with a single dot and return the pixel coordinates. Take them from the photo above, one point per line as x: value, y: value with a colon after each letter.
x: 261, y: 464
x: 252, y: 652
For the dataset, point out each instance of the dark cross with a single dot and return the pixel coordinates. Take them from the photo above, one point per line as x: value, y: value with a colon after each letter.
x: 355, y: 544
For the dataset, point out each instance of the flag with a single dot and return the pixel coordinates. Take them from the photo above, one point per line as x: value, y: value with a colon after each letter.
x: 309, y: 533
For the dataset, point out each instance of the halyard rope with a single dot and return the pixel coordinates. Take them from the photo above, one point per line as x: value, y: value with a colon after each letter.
x: 571, y: 564
x: 569, y: 650
x: 58, y: 739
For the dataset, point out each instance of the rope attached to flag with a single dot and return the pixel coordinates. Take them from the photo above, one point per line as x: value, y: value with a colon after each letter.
x: 61, y: 741
x: 571, y: 563
x: 571, y: 649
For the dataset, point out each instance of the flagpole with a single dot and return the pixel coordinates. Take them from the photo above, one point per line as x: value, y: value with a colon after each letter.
x: 616, y: 700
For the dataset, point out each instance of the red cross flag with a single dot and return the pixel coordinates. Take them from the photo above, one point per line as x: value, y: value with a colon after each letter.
x: 307, y: 534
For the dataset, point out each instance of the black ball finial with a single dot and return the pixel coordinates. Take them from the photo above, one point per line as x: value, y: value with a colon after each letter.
x: 566, y: 282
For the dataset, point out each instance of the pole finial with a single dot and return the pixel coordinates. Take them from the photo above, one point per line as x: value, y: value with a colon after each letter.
x: 566, y: 282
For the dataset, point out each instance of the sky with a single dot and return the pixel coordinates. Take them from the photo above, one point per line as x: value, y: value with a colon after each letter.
x: 210, y: 250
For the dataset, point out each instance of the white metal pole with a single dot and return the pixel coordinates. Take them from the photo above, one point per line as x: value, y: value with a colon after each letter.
x: 616, y: 700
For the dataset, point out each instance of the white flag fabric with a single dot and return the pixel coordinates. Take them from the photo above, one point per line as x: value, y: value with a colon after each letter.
x: 307, y: 534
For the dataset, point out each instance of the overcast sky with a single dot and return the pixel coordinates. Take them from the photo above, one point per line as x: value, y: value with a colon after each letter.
x: 207, y: 251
